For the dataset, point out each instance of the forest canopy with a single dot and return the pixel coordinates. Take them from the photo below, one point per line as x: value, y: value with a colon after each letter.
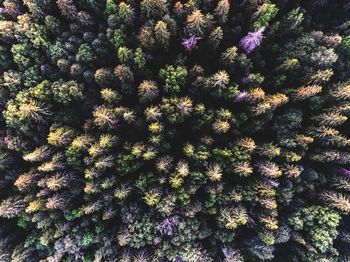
x: 174, y: 130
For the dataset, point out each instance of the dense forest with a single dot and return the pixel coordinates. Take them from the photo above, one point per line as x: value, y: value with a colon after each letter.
x: 174, y: 130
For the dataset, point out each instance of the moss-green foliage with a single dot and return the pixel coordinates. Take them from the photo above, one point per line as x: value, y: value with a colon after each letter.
x: 139, y: 59
x: 24, y: 55
x: 345, y: 45
x: 65, y: 92
x: 174, y: 78
x: 264, y: 15
x: 174, y: 131
x: 85, y: 54
x: 319, y: 224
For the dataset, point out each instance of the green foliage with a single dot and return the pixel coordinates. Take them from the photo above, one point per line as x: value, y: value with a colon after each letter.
x: 74, y: 214
x: 142, y: 232
x: 87, y: 240
x: 24, y: 55
x: 174, y: 78
x: 345, y: 45
x: 118, y: 39
x: 66, y: 92
x: 22, y: 222
x: 52, y: 24
x: 41, y: 91
x: 111, y: 7
x: 139, y: 59
x: 319, y: 224
x: 57, y: 51
x: 265, y: 13
x: 38, y: 36
x: 85, y: 54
